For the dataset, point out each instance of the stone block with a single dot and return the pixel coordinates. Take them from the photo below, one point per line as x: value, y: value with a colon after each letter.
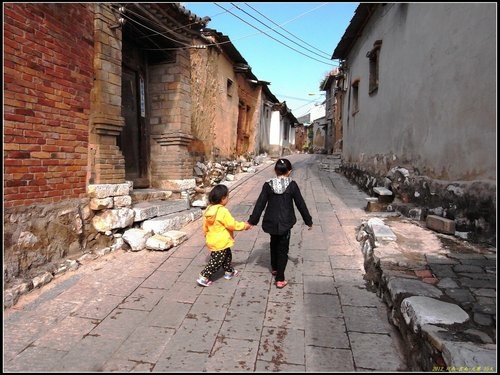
x: 383, y: 194
x: 440, y: 224
x: 380, y: 190
x: 376, y: 206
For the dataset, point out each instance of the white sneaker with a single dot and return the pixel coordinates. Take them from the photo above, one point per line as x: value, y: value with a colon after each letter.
x: 203, y: 281
x: 230, y: 275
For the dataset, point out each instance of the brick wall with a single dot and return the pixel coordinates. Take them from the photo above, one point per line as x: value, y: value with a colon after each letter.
x: 170, y: 91
x: 48, y: 75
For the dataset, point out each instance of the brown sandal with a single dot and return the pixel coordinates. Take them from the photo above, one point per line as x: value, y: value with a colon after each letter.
x: 281, y: 284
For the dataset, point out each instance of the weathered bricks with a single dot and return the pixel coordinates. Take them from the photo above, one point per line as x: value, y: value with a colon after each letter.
x: 48, y: 75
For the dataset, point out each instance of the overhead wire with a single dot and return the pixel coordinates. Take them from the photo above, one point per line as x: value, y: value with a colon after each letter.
x: 295, y: 98
x: 186, y: 45
x: 155, y: 32
x: 325, y: 55
x: 302, y: 106
x: 260, y: 31
x: 309, y: 101
x: 263, y: 32
x: 293, y: 19
x: 174, y: 29
x: 303, y: 14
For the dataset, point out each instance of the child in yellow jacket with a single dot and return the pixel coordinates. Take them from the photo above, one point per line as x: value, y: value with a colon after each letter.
x: 218, y: 226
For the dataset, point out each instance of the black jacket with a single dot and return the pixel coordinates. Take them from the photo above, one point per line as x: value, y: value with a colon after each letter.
x: 277, y: 197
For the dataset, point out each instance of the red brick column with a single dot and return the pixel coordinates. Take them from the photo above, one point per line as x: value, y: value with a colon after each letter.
x: 170, y: 89
x: 106, y: 162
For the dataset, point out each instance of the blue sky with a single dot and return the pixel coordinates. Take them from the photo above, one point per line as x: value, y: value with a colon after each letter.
x: 296, y: 56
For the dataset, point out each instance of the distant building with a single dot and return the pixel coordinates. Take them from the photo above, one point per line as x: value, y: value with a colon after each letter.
x: 301, y: 133
x: 319, y: 128
x: 333, y: 86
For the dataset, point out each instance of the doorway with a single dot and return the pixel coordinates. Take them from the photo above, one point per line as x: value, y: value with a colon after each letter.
x: 133, y: 140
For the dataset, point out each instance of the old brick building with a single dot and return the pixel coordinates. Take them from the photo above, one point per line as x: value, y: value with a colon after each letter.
x: 225, y: 93
x: 105, y: 94
x: 47, y: 83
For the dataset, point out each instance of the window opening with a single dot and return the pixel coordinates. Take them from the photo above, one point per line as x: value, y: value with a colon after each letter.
x: 373, y: 56
x: 355, y: 96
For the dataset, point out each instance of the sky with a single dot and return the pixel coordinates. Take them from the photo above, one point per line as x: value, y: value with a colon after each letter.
x: 289, y: 44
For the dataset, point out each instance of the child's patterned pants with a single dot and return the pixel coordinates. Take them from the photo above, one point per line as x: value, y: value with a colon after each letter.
x: 218, y: 259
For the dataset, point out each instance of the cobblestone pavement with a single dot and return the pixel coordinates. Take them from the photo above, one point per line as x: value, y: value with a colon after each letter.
x: 144, y: 312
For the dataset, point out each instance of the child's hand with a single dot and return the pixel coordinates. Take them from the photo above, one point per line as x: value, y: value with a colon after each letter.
x: 248, y: 226
x: 311, y: 227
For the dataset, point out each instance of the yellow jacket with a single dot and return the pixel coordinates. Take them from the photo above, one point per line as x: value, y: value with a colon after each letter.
x: 218, y: 226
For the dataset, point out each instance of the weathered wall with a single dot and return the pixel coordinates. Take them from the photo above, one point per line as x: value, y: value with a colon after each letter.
x: 275, y: 134
x: 249, y: 100
x: 170, y: 118
x: 106, y: 163
x: 264, y: 124
x: 215, y: 108
x: 319, y: 138
x: 226, y: 107
x: 226, y: 115
x: 204, y: 96
x: 434, y: 112
x: 300, y: 137
x: 40, y: 236
x: 60, y: 123
x: 472, y: 205
x: 435, y: 107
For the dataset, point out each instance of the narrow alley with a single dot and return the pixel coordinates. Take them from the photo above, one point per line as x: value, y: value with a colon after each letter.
x: 144, y: 312
x: 117, y: 126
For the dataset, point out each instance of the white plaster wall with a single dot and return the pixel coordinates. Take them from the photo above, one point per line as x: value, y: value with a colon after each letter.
x: 436, y: 101
x: 262, y: 136
x: 275, y: 129
x: 291, y: 137
x: 318, y: 111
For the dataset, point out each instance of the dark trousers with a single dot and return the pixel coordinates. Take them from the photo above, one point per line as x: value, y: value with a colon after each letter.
x: 218, y: 259
x: 279, y: 254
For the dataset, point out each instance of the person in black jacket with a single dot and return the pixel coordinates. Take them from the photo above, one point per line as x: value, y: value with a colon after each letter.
x: 277, y: 197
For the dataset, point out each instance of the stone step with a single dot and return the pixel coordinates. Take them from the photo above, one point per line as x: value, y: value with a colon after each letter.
x: 145, y: 210
x: 380, y: 190
x: 383, y: 194
x: 142, y: 195
x: 173, y: 221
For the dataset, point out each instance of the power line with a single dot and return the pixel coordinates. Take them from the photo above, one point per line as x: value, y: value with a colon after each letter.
x: 302, y: 106
x: 263, y: 32
x: 154, y: 32
x: 295, y: 98
x: 303, y: 14
x: 124, y: 14
x: 303, y: 41
x: 284, y: 36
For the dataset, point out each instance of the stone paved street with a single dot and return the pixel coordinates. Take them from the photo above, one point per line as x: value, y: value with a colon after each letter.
x: 144, y: 312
